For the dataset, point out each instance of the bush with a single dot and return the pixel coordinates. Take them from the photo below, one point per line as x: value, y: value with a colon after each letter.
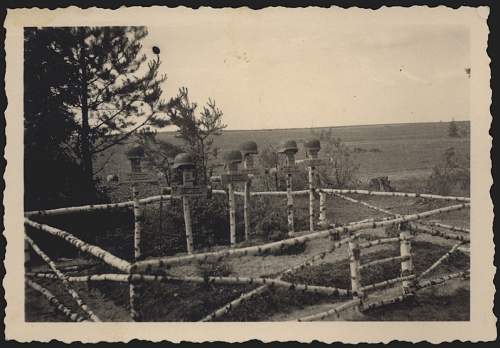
x: 392, y: 231
x: 452, y: 174
x: 293, y: 249
x: 341, y: 172
x: 214, y: 269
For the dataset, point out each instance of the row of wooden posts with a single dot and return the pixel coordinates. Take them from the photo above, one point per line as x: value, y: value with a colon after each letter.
x: 233, y: 176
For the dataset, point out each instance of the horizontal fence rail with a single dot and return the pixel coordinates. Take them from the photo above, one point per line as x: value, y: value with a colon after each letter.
x: 104, y: 255
x: 386, y: 283
x: 129, y: 204
x: 146, y: 265
x: 384, y: 302
x: 380, y: 261
x: 334, y: 311
x: 435, y: 233
x: 398, y: 194
x: 325, y: 290
x: 80, y: 209
x: 448, y: 227
x: 440, y: 280
x: 381, y: 241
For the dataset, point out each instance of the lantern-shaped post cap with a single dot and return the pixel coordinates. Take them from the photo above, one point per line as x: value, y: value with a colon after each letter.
x: 183, y: 161
x: 312, y: 145
x: 135, y: 152
x: 249, y: 148
x: 289, y: 146
x: 233, y: 157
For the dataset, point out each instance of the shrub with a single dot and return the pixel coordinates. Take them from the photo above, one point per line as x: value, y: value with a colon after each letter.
x: 342, y: 170
x: 293, y: 249
x: 392, y: 231
x: 452, y: 173
x: 214, y: 269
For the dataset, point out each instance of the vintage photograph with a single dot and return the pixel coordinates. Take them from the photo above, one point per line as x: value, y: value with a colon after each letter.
x: 249, y: 166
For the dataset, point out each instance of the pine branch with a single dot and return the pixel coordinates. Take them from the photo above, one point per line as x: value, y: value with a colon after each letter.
x: 126, y: 135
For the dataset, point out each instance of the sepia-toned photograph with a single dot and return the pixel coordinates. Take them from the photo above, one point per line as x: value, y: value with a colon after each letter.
x: 279, y: 165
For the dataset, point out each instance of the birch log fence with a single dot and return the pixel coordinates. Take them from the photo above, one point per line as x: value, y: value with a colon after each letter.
x: 141, y: 271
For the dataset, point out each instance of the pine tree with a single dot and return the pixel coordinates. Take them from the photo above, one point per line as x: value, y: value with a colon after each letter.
x: 197, y: 131
x: 107, y: 88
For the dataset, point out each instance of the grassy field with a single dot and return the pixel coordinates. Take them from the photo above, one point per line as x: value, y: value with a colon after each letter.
x: 400, y: 151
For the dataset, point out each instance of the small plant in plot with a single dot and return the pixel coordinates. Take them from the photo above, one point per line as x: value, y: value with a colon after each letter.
x: 214, y: 269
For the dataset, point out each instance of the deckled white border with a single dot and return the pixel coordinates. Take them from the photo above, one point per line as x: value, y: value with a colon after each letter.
x: 482, y: 324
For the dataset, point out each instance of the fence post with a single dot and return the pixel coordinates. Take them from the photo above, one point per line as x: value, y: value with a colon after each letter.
x: 354, y: 263
x: 186, y: 207
x: 311, y: 198
x: 312, y: 148
x: 138, y: 217
x: 248, y: 164
x: 187, y: 180
x: 232, y: 159
x: 248, y: 149
x: 246, y: 209
x: 289, y: 203
x: 232, y: 214
x: 407, y: 262
x: 134, y: 288
x: 322, y: 209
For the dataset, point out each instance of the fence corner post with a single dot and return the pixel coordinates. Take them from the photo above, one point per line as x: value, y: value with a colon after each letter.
x: 408, y: 286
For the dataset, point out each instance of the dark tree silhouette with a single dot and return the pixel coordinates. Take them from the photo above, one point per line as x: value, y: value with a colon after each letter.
x: 51, y: 169
x: 101, y: 84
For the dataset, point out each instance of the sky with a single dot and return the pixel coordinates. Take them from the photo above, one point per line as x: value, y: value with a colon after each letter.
x: 289, y: 68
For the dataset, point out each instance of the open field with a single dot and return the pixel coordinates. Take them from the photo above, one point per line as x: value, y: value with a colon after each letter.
x: 400, y: 151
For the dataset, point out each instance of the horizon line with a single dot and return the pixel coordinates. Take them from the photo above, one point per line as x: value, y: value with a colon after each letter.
x: 321, y: 127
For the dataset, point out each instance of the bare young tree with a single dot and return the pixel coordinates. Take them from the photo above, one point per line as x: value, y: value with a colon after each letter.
x: 159, y: 154
x: 197, y: 130
x: 341, y: 170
